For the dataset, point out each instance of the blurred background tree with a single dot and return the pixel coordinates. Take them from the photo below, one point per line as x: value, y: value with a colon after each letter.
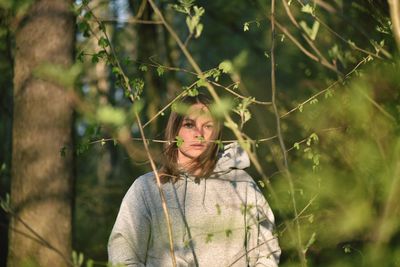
x: 337, y: 99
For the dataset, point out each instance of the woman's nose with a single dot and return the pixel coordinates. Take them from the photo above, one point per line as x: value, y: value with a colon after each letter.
x: 198, y: 131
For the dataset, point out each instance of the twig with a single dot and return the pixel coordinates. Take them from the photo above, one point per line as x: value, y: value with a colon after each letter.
x: 303, y: 49
x: 280, y: 137
x: 167, y: 106
x: 162, y: 195
x: 364, y: 60
x: 394, y: 14
x: 239, y: 95
x: 305, y: 36
x: 352, y: 45
x: 129, y: 21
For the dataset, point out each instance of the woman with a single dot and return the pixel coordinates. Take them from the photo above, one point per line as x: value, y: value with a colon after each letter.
x: 219, y: 217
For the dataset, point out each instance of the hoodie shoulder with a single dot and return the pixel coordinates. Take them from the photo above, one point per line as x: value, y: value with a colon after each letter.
x: 233, y: 157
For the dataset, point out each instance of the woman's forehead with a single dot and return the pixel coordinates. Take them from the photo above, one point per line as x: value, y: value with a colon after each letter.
x: 198, y: 110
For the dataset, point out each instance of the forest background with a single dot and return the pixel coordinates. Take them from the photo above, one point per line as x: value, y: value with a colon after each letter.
x: 309, y: 88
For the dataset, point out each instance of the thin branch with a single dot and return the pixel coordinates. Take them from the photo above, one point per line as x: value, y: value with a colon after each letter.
x: 250, y: 250
x: 303, y: 49
x: 310, y: 42
x: 239, y: 95
x: 129, y: 21
x: 395, y: 16
x: 352, y: 45
x: 305, y: 139
x: 167, y: 106
x: 142, y: 7
x: 162, y: 195
x: 280, y: 136
x: 364, y: 60
x: 375, y: 104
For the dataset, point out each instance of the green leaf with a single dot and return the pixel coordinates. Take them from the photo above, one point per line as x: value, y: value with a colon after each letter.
x: 186, y: 3
x: 88, y: 15
x: 137, y: 86
x: 95, y: 58
x: 347, y: 249
x: 219, y: 144
x: 314, y: 137
x: 103, y: 42
x: 199, y: 30
x: 84, y: 28
x: 160, y: 70
x: 198, y: 11
x: 90, y: 263
x: 242, y: 109
x: 201, y: 83
x: 81, y: 56
x: 226, y: 66
x: 307, y: 9
x: 179, y: 141
x: 190, y: 24
x: 179, y: 8
x: 296, y: 146
x: 137, y: 106
x: 192, y: 91
x: 180, y: 108
x: 219, y: 110
x: 102, y: 54
x: 143, y: 68
x: 311, y: 32
x: 246, y: 27
x: 116, y: 71
x: 301, y: 107
x: 111, y: 115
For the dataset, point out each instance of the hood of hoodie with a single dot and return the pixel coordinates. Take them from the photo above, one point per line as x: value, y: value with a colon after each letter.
x: 232, y: 157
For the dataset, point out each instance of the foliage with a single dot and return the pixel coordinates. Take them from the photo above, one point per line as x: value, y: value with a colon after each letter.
x: 341, y: 117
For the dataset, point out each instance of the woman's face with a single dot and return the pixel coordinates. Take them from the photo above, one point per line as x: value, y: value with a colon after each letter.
x: 196, y: 132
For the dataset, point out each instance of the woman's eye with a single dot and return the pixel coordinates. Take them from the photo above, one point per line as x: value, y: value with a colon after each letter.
x: 209, y: 126
x: 188, y: 125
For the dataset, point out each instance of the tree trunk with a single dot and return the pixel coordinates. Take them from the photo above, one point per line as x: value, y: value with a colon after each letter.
x: 41, y: 174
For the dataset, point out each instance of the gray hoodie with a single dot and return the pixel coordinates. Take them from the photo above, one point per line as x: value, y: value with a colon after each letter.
x: 223, y: 220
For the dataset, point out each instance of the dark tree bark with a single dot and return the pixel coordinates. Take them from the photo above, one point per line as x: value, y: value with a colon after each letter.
x: 6, y: 98
x: 41, y: 175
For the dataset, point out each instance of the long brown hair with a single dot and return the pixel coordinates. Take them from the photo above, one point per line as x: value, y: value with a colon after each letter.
x: 205, y: 163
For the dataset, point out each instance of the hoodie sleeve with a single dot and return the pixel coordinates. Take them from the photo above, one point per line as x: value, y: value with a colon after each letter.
x: 263, y: 247
x: 130, y: 235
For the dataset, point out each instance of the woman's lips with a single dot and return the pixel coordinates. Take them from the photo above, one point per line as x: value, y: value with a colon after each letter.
x: 197, y: 146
